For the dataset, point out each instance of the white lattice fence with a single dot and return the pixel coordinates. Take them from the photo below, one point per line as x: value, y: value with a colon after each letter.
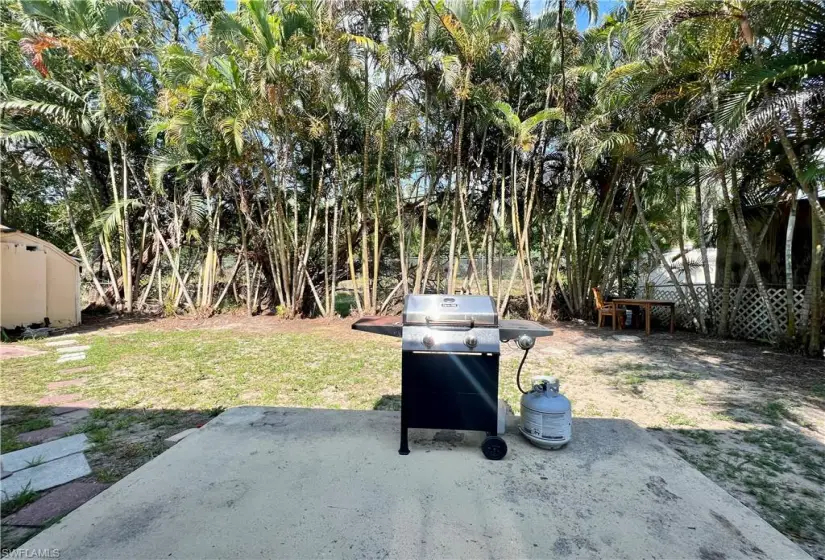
x: 751, y: 320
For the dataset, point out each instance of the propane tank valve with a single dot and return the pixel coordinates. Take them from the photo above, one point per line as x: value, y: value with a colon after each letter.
x: 525, y: 341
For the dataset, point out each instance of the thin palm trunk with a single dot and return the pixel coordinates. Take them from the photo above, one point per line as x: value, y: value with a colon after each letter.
x: 453, y: 231
x: 229, y: 281
x: 653, y: 244
x: 365, y: 260
x: 749, y: 254
x: 112, y: 178
x: 746, y: 276
x: 703, y: 246
x: 376, y: 196
x: 697, y: 309
x: 461, y: 185
x: 417, y: 287
x: 139, y: 268
x: 155, y: 262
x: 327, y: 300
x: 245, y: 253
x: 127, y: 244
x: 815, y: 323
x: 81, y: 250
x: 789, y: 299
x: 401, y: 229
x: 607, y: 276
x: 553, y: 271
x: 724, y: 311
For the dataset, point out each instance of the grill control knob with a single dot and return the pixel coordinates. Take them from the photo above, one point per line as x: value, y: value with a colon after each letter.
x: 471, y: 341
x: 428, y: 341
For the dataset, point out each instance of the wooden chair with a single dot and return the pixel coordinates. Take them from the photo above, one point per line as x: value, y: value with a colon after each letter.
x: 605, y: 309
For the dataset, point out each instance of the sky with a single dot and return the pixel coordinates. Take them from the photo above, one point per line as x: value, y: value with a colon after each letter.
x: 536, y: 6
x: 605, y: 7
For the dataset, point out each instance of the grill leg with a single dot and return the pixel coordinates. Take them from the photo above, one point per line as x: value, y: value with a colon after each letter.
x: 404, y: 449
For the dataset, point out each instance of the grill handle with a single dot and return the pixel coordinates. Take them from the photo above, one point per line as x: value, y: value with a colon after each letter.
x: 468, y: 324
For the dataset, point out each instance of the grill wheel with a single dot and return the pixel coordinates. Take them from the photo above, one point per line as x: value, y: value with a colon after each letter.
x: 494, y: 448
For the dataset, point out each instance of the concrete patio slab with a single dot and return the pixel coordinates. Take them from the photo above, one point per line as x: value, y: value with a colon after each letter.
x: 22, y: 459
x: 48, y: 475
x: 301, y: 483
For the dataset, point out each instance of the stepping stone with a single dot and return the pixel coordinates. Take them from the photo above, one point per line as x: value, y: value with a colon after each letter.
x: 39, y: 436
x: 48, y: 475
x: 170, y: 441
x: 8, y: 351
x: 76, y: 370
x: 73, y: 349
x: 72, y: 416
x: 55, y: 504
x: 59, y: 399
x: 80, y: 404
x: 59, y: 410
x: 71, y: 358
x: 626, y: 338
x: 67, y: 342
x: 55, y: 385
x: 43, y: 453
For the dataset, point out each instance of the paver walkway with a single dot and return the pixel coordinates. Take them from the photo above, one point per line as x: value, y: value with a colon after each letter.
x: 8, y: 351
x: 68, y: 350
x: 57, y: 503
x: 53, y: 462
x: 64, y: 342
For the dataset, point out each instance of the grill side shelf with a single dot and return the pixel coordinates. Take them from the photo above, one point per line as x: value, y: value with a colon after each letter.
x: 510, y: 329
x: 388, y: 326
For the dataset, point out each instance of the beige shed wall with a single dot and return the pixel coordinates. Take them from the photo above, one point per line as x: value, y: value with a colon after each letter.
x: 22, y: 286
x: 37, y: 284
x: 62, y: 291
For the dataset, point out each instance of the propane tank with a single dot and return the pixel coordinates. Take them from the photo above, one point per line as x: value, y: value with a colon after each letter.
x: 546, y: 416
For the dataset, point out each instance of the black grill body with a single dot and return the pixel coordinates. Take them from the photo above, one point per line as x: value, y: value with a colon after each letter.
x: 448, y: 391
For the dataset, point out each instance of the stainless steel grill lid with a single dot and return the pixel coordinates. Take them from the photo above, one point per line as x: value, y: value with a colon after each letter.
x: 450, y: 311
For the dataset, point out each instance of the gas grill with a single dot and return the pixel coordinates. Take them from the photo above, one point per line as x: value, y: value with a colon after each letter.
x: 450, y: 348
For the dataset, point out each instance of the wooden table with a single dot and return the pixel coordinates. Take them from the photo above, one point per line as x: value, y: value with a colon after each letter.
x: 647, y: 305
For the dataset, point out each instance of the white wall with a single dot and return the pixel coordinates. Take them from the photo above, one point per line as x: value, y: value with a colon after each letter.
x: 658, y: 276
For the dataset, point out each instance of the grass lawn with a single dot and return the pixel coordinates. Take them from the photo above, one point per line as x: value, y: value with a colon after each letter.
x: 205, y: 369
x: 750, y: 420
